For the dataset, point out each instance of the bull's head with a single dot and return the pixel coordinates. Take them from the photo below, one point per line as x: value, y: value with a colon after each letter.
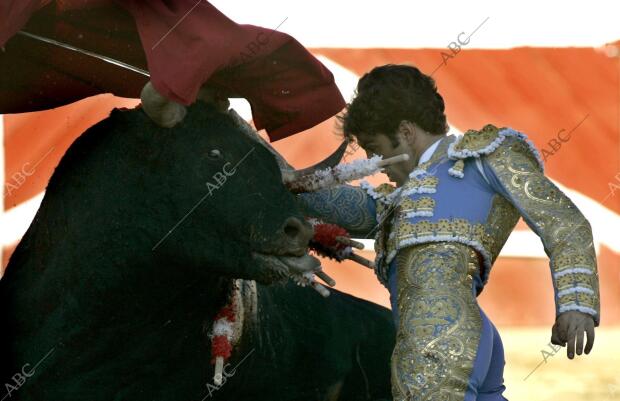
x: 233, y: 211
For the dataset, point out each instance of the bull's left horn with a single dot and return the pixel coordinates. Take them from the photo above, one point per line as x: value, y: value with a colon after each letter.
x: 290, y: 176
x: 163, y: 111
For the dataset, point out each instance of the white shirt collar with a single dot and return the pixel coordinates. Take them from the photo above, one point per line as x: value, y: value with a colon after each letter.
x: 429, y: 151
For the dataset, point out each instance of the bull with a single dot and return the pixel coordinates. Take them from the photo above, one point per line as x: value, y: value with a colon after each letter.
x: 140, y: 233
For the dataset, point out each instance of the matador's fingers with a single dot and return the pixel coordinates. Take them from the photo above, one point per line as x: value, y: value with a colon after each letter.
x: 590, y: 333
x: 580, y: 332
x: 555, y: 336
x: 570, y: 347
x: 562, y: 330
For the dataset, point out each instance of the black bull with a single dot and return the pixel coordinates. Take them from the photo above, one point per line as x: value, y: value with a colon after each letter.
x: 130, y: 255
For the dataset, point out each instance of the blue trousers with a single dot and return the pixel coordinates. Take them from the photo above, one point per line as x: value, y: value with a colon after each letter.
x: 486, y: 382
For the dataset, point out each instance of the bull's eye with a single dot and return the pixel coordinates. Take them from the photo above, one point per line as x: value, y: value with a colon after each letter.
x: 214, y: 154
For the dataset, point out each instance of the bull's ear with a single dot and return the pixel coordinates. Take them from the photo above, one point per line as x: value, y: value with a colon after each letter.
x: 163, y: 111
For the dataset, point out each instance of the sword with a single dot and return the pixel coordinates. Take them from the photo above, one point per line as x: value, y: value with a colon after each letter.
x: 86, y: 52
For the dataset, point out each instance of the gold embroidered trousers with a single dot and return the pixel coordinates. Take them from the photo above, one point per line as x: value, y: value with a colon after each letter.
x: 440, y: 323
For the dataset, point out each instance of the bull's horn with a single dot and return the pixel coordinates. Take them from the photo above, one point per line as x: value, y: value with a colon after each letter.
x: 163, y: 111
x: 290, y: 176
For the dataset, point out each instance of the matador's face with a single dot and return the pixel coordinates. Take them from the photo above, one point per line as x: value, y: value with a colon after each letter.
x: 382, y: 145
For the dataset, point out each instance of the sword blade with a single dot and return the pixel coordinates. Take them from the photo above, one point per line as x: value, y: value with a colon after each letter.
x: 86, y: 52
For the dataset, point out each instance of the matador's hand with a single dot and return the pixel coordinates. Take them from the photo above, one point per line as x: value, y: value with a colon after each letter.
x: 568, y: 327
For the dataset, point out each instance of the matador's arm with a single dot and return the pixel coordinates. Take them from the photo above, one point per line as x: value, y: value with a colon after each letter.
x: 515, y: 171
x: 345, y: 205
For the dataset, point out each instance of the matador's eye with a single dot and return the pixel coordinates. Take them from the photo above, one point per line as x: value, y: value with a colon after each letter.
x: 214, y: 154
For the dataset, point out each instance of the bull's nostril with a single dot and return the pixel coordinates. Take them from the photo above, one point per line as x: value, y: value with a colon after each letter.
x: 298, y: 234
x: 291, y: 231
x: 296, y: 230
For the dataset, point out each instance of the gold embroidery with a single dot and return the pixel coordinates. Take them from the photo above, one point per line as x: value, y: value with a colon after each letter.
x: 579, y: 298
x: 385, y: 245
x: 567, y: 281
x: 384, y: 189
x: 425, y: 203
x: 490, y: 236
x: 564, y: 231
x: 563, y: 262
x: 415, y: 184
x: 442, y: 227
x: 408, y: 205
x: 501, y: 220
x: 473, y: 140
x: 457, y: 168
x: 422, y: 204
x: 384, y: 219
x: 440, y: 323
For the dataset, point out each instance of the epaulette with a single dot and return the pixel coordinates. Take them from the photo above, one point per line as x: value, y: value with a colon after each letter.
x: 380, y: 191
x: 475, y: 143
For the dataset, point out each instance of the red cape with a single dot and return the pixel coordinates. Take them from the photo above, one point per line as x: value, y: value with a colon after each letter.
x: 184, y: 43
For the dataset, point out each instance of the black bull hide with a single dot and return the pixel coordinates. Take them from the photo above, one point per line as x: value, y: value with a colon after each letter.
x: 130, y: 255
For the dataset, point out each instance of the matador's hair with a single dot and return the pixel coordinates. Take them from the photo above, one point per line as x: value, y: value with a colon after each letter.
x: 389, y: 94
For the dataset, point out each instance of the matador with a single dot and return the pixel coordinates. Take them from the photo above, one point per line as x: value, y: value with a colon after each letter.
x: 439, y: 230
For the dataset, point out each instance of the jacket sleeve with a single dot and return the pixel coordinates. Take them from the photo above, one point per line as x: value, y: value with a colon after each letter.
x: 515, y: 171
x: 347, y: 206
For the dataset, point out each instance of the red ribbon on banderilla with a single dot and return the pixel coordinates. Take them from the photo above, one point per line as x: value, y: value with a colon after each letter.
x: 334, y: 242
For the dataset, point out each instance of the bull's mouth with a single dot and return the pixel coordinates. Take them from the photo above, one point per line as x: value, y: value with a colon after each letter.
x: 274, y: 268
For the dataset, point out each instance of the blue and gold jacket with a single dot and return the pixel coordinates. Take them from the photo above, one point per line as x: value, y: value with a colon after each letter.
x: 472, y: 190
